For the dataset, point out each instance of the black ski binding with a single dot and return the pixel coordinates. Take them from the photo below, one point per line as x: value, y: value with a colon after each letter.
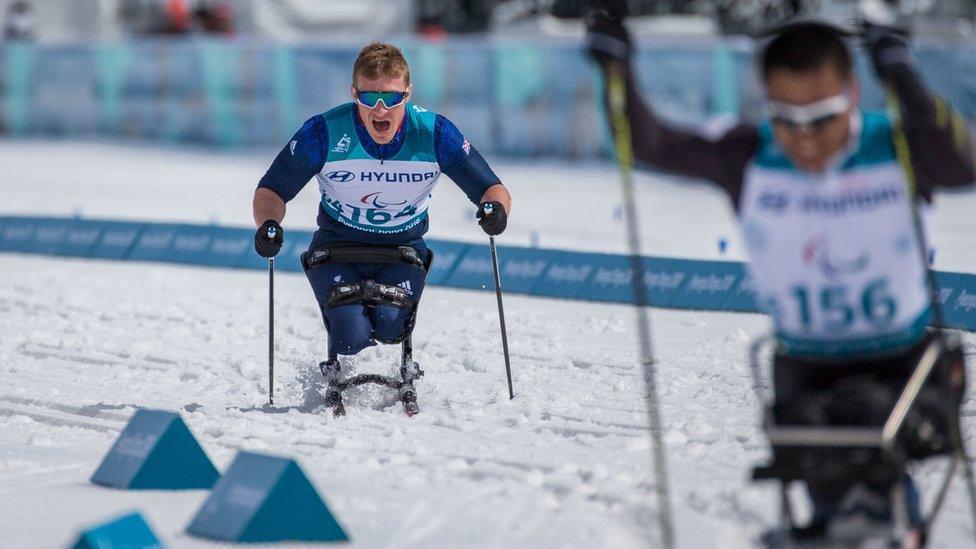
x: 409, y: 371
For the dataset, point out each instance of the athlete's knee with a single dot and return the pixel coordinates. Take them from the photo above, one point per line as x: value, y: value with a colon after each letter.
x: 350, y: 330
x: 390, y: 323
x: 350, y: 344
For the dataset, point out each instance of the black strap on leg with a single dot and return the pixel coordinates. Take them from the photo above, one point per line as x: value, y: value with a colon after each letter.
x: 370, y: 293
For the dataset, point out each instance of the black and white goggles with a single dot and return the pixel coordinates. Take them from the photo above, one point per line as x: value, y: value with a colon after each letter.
x: 810, y: 117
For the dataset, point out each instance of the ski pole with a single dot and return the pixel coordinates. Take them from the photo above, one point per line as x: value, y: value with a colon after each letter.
x: 488, y: 209
x: 272, y: 232
x: 617, y: 91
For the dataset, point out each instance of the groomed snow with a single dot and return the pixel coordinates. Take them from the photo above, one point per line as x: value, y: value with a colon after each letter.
x: 566, y: 464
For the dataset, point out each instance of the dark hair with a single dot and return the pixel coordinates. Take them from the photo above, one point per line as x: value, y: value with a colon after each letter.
x: 807, y: 46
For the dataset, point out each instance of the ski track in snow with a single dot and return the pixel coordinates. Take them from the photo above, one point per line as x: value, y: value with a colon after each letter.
x: 83, y: 344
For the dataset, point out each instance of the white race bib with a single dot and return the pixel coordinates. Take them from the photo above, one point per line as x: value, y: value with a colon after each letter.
x: 835, y: 256
x: 383, y: 197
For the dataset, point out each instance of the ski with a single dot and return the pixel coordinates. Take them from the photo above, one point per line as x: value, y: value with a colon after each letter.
x: 408, y: 396
x: 333, y: 399
x: 404, y: 386
x: 333, y: 392
x: 409, y: 371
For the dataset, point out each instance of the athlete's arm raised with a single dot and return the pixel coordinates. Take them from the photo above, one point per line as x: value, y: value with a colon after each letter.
x: 940, y: 144
x: 722, y: 160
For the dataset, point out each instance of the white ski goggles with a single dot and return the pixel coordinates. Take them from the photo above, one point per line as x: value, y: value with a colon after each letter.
x: 811, y: 117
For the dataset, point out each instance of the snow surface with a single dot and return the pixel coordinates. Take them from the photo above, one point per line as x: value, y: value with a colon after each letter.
x: 566, y: 464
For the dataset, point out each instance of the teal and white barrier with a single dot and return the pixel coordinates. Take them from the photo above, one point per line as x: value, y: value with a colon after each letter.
x: 671, y: 283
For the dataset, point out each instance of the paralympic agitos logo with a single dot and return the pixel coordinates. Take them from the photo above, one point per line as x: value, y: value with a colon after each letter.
x: 817, y: 253
x: 374, y: 200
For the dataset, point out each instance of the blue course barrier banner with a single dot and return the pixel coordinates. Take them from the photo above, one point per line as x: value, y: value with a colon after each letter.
x: 663, y: 278
x: 18, y: 234
x: 81, y: 238
x: 521, y: 268
x: 743, y: 297
x: 116, y: 240
x: 192, y: 245
x: 472, y: 269
x: 50, y: 234
x: 707, y: 283
x: 173, y: 243
x: 956, y: 297
x: 155, y: 243
x: 945, y: 284
x: 668, y: 282
x: 960, y: 312
x: 566, y: 274
x: 610, y: 280
x: 446, y: 255
x: 231, y: 247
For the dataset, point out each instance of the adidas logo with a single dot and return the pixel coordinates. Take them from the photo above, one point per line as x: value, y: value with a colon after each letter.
x: 406, y: 286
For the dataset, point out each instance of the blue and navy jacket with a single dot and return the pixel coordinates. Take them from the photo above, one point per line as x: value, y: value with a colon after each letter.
x: 373, y: 193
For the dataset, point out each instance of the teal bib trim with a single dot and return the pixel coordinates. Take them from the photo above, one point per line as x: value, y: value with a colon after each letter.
x: 770, y: 155
x: 856, y: 347
x: 876, y: 146
x: 418, y: 135
x: 372, y: 228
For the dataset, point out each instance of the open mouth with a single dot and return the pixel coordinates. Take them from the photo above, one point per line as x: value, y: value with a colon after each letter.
x: 381, y: 126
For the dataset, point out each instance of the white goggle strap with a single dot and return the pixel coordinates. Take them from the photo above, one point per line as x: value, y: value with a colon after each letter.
x: 802, y: 115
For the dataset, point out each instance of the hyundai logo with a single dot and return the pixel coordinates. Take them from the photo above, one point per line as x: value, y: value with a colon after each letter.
x: 340, y: 176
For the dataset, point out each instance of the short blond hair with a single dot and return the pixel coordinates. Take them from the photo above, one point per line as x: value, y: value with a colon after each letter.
x: 379, y: 60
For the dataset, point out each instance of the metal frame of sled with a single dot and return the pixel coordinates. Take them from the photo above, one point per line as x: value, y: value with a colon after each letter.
x: 409, y: 371
x: 884, y: 438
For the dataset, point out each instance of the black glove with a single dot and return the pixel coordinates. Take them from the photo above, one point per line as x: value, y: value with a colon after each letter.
x: 266, y: 245
x: 495, y: 222
x: 887, y: 46
x: 606, y: 38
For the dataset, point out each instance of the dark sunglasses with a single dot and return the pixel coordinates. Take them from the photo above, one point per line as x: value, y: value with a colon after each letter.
x: 390, y: 99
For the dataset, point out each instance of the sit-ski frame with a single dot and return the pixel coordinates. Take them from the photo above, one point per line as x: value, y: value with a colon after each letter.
x: 883, y: 438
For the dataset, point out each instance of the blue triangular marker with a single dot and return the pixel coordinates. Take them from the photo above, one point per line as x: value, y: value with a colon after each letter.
x: 129, y: 531
x: 156, y: 451
x: 265, y: 499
